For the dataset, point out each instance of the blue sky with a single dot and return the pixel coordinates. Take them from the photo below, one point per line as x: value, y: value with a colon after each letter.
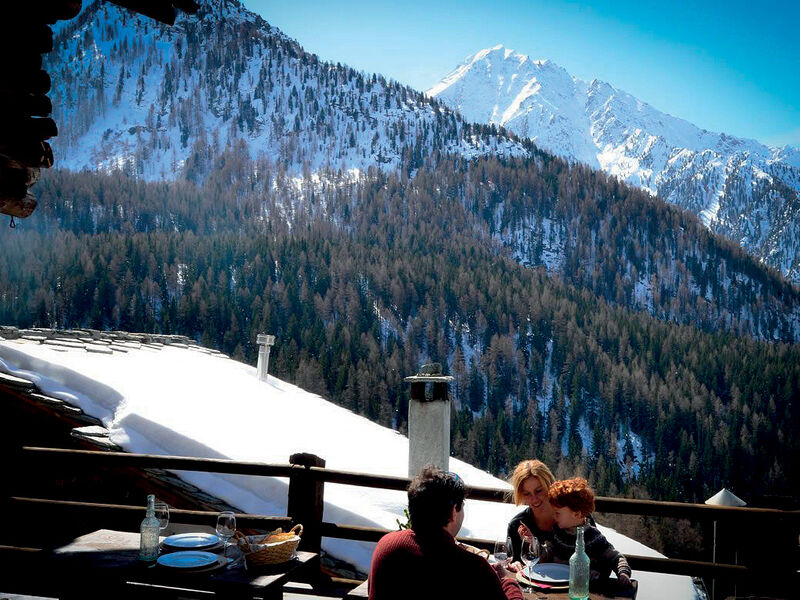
x: 730, y: 66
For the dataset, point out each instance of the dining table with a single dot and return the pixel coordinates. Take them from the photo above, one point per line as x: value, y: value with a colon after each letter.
x: 105, y: 563
x: 609, y: 590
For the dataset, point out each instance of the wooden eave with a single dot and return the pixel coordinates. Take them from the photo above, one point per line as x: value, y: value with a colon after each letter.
x: 25, y: 123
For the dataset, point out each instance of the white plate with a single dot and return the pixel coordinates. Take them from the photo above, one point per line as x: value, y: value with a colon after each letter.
x: 191, y: 540
x: 189, y: 559
x: 550, y: 573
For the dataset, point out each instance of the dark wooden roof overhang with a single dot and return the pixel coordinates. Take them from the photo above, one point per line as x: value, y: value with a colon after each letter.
x: 25, y: 123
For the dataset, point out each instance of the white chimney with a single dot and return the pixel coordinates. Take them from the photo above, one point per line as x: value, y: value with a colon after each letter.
x: 265, y: 342
x: 428, y: 420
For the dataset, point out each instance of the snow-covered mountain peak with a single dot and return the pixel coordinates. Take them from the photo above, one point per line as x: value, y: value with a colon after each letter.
x: 500, y: 86
x: 738, y: 187
x: 498, y: 66
x: 496, y: 53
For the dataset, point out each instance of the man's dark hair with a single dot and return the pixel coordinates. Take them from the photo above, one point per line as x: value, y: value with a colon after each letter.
x: 431, y: 497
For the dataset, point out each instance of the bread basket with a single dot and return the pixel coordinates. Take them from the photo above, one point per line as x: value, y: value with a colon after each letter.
x: 473, y: 550
x: 270, y: 548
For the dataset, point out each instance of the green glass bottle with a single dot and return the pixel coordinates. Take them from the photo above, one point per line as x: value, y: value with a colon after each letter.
x: 579, y: 570
x: 148, y: 542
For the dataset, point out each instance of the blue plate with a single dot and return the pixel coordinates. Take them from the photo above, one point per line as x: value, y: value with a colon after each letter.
x: 549, y: 573
x: 191, y: 541
x: 190, y: 559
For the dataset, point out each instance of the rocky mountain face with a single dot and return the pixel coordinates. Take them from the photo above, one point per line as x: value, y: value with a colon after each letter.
x: 163, y: 102
x: 740, y: 188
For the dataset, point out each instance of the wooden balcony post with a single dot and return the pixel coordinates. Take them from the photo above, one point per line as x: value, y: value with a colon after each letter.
x: 307, y: 500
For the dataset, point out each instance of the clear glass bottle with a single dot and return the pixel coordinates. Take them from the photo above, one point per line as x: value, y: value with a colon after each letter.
x: 148, y: 542
x: 579, y: 570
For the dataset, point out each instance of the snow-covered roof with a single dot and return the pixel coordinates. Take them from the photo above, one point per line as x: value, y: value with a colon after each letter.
x: 179, y: 399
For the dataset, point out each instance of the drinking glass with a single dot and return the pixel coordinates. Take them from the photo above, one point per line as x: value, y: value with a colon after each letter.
x: 501, y: 551
x: 162, y: 514
x: 226, y: 527
x: 530, y: 552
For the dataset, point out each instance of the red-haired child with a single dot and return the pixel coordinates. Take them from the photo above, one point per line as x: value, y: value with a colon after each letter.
x: 573, y: 501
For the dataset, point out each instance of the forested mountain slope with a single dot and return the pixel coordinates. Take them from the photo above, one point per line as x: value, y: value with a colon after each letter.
x: 611, y: 239
x: 369, y: 279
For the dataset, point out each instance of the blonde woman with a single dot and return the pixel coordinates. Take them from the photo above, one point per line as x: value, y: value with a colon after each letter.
x: 531, y: 481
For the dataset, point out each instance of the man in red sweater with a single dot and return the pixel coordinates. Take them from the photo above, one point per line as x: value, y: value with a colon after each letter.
x: 425, y: 562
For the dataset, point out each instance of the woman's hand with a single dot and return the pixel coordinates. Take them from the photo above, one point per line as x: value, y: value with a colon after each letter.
x: 523, y: 531
x: 502, y: 571
x: 625, y: 580
x: 515, y: 567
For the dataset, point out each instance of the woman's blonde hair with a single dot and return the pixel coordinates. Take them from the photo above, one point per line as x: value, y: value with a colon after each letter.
x: 524, y: 471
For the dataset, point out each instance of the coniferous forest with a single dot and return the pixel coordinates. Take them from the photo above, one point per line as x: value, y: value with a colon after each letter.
x: 363, y: 280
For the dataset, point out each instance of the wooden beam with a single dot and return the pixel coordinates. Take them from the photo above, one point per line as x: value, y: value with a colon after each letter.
x: 174, y: 463
x: 683, y: 510
x: 14, y: 181
x: 60, y: 10
x: 17, y: 207
x: 699, y: 512
x: 25, y: 36
x: 187, y: 6
x: 31, y: 153
x: 23, y: 128
x: 23, y: 62
x: 354, y: 532
x: 26, y: 105
x: 385, y: 482
x: 96, y: 514
x: 47, y: 11
x: 19, y: 82
x: 103, y: 513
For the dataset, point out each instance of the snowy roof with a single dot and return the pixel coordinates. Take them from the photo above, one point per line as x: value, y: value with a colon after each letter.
x: 725, y: 497
x: 180, y: 399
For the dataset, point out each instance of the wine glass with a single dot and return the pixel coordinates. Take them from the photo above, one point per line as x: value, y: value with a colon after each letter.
x: 226, y: 527
x: 501, y: 551
x: 530, y: 552
x: 162, y: 514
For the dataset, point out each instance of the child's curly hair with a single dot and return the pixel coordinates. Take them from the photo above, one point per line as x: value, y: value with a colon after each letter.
x: 573, y: 493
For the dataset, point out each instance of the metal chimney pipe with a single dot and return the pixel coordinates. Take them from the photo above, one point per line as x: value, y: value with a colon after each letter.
x: 428, y: 420
x: 265, y: 342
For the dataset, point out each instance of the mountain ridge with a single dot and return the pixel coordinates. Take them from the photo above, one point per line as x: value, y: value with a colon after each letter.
x: 158, y: 102
x: 714, y: 175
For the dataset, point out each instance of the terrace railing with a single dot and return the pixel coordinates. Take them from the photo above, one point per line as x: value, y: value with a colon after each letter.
x: 307, y: 477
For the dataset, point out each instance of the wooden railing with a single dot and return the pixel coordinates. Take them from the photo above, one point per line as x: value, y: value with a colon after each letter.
x: 306, y: 498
